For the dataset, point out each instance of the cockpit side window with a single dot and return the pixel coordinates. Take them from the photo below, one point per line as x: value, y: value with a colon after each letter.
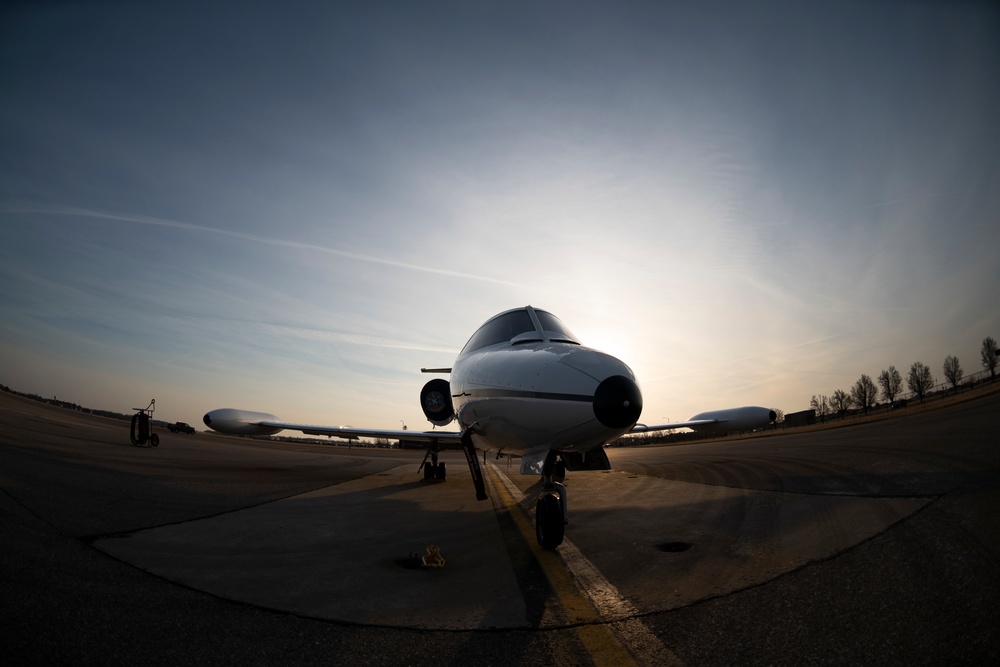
x: 500, y: 329
x: 554, y: 328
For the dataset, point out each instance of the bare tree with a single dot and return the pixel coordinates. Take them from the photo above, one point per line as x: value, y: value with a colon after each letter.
x: 864, y: 392
x: 919, y: 379
x: 989, y: 356
x: 821, y: 404
x: 891, y: 383
x: 952, y: 371
x: 841, y: 401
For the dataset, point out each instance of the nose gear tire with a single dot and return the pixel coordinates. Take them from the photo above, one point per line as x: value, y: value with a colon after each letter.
x: 549, y: 524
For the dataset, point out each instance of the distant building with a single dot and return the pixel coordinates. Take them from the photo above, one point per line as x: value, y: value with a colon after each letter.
x: 804, y: 418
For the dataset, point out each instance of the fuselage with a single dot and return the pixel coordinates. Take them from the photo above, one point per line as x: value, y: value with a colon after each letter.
x: 524, y: 383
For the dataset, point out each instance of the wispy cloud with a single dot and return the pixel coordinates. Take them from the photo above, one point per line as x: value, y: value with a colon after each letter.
x: 919, y: 197
x: 264, y: 240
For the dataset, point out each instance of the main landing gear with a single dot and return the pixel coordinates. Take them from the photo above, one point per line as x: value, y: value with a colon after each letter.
x: 551, y: 514
x: 433, y: 471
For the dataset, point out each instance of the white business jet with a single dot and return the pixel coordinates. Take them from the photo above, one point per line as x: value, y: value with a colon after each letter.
x: 523, y: 384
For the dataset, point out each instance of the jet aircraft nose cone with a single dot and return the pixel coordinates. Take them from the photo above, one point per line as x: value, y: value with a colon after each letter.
x: 617, y: 402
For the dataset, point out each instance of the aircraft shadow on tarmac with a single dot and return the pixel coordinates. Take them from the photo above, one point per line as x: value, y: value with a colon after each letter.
x: 666, y: 544
x: 334, y: 553
x: 337, y: 553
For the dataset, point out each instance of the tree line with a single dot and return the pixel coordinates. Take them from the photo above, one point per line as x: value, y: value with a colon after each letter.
x: 864, y: 394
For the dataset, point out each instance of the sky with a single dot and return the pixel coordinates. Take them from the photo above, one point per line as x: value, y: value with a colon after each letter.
x: 294, y: 207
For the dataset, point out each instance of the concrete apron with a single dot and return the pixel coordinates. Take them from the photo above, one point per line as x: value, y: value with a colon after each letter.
x: 342, y: 553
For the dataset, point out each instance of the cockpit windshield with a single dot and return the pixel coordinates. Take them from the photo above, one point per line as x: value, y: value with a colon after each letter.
x: 500, y: 329
x: 516, y: 323
x: 554, y: 328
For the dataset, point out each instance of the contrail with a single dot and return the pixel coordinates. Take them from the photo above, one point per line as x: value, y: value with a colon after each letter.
x: 325, y: 335
x: 160, y: 222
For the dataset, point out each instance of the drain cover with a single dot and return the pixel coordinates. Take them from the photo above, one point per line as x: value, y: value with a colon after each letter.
x: 674, y: 547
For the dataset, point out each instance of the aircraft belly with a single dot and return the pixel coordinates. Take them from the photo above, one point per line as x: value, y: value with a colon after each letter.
x: 519, y: 424
x: 514, y: 421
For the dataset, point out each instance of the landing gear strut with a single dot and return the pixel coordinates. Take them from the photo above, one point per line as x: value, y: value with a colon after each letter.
x: 551, y: 514
x: 435, y: 472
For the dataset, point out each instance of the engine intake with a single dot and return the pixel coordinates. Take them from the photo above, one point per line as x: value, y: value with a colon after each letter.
x: 617, y: 402
x: 435, y: 399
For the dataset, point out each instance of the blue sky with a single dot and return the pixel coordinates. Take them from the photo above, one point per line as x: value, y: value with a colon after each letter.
x: 295, y: 209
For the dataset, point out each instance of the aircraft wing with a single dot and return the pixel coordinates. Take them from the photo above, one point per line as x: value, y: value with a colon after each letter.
x: 732, y: 419
x: 351, y: 433
x: 647, y: 428
x: 245, y: 422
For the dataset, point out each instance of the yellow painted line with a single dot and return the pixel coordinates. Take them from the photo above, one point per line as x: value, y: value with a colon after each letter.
x: 603, y: 645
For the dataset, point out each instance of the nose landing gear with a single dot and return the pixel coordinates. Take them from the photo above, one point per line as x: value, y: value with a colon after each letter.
x: 551, y: 513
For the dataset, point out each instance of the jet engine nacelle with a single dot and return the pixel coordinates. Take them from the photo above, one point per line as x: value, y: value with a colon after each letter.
x: 435, y: 399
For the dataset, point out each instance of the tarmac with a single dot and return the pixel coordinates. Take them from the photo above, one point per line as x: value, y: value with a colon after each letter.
x: 870, y: 543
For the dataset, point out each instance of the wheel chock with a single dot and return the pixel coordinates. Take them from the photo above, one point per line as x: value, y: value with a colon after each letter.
x: 433, y: 557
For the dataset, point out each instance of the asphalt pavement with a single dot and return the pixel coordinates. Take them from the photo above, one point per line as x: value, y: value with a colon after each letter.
x: 868, y: 543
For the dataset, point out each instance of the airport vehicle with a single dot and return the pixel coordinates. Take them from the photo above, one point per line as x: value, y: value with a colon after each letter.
x: 523, y: 384
x: 141, y: 430
x: 180, y: 427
